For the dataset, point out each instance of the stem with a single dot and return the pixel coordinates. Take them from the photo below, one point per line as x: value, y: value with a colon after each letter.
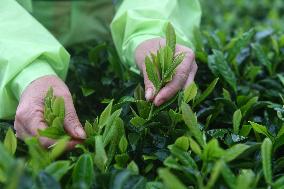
x: 151, y: 112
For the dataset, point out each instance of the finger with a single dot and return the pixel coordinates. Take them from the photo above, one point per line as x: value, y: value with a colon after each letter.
x: 191, y: 74
x: 178, y: 81
x: 71, y: 122
x: 170, y: 89
x: 149, y: 87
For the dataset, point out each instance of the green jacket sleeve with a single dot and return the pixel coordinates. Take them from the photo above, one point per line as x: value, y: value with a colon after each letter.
x: 140, y: 20
x: 27, y: 51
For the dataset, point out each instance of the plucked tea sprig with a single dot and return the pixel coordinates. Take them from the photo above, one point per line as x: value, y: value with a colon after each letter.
x: 54, y: 113
x: 160, y: 67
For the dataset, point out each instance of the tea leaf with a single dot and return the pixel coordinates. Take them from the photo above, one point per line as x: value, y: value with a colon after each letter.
x: 83, y: 171
x: 10, y: 142
x: 171, y: 69
x: 190, y: 92
x: 170, y: 180
x: 237, y: 117
x: 105, y: 115
x: 191, y: 122
x: 46, y: 181
x: 123, y: 144
x: 182, y: 142
x: 58, y: 169
x: 152, y: 74
x: 261, y: 129
x: 100, y: 155
x: 233, y: 152
x: 266, y: 150
x: 239, y: 43
x: 171, y: 37
x: 220, y: 68
x: 207, y: 92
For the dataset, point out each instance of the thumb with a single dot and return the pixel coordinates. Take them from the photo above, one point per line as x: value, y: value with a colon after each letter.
x: 149, y: 87
x: 71, y: 122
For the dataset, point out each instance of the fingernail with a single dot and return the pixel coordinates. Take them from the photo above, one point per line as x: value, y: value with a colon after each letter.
x: 149, y: 94
x: 80, y: 132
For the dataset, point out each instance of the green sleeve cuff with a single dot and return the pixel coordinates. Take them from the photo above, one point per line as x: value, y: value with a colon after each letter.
x: 35, y: 70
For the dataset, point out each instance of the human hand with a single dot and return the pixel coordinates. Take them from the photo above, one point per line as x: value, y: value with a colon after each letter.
x: 29, y: 115
x: 184, y: 75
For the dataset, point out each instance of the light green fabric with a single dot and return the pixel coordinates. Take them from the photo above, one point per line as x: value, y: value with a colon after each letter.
x: 28, y: 51
x: 140, y: 20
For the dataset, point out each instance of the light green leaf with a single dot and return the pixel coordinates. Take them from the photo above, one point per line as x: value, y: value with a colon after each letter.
x: 170, y: 180
x: 191, y: 122
x: 194, y: 146
x: 237, y: 118
x: 105, y: 115
x: 132, y: 166
x: 238, y: 44
x: 207, y: 92
x: 123, y: 144
x: 83, y: 171
x: 266, y: 152
x: 182, y: 142
x: 220, y: 68
x: 59, y: 147
x: 261, y: 129
x: 100, y: 154
x: 152, y: 73
x: 233, y: 152
x: 58, y: 169
x: 171, y: 69
x: 10, y: 141
x: 190, y: 92
x: 171, y: 37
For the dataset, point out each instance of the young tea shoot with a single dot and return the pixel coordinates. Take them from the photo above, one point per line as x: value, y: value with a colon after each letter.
x: 160, y: 67
x: 54, y: 112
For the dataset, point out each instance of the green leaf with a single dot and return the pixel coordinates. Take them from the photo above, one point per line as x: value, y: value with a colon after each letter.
x: 190, y: 92
x: 266, y: 152
x: 194, y: 146
x: 183, y: 156
x: 46, y: 181
x: 220, y: 68
x: 52, y: 132
x: 83, y: 171
x: 215, y: 174
x: 10, y: 141
x: 171, y: 37
x: 245, y: 179
x: 279, y: 183
x: 212, y: 151
x: 58, y: 169
x: 249, y: 105
x: 152, y: 73
x: 191, y: 122
x: 182, y: 142
x: 58, y: 107
x: 132, y: 166
x: 228, y: 176
x: 261, y: 129
x: 207, y: 92
x: 100, y: 155
x: 59, y: 147
x: 237, y: 118
x: 105, y: 115
x: 138, y: 121
x: 238, y: 44
x: 171, y: 69
x: 123, y: 144
x: 170, y: 180
x: 233, y: 152
x: 262, y: 57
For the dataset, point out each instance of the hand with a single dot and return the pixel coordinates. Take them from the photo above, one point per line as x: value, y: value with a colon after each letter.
x: 29, y: 115
x: 184, y: 75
